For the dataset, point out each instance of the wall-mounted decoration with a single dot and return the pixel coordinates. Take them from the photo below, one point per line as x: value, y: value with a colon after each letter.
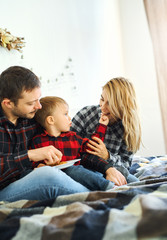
x: 63, y: 83
x: 7, y: 40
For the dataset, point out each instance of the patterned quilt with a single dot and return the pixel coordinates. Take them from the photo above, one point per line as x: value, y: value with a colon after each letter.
x: 129, y: 212
x: 134, y: 211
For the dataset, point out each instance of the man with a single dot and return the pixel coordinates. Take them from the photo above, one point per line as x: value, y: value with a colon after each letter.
x: 19, y: 96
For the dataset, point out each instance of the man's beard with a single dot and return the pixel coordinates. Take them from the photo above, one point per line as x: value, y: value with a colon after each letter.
x: 19, y: 114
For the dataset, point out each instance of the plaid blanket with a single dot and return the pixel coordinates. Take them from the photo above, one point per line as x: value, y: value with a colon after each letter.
x: 134, y: 211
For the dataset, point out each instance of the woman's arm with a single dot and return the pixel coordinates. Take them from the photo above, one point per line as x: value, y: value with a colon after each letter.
x: 122, y: 157
x: 95, y: 163
x: 113, y: 149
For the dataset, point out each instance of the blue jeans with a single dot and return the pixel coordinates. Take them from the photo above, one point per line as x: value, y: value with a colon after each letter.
x: 88, y: 178
x: 41, y: 184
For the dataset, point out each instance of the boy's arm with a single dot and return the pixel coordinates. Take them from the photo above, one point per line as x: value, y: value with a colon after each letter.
x: 100, y: 131
x: 90, y: 146
x: 99, y: 134
x: 101, y: 127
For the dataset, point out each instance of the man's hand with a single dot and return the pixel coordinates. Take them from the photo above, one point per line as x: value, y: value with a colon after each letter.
x: 115, y: 176
x: 104, y: 119
x: 49, y: 154
x: 98, y: 148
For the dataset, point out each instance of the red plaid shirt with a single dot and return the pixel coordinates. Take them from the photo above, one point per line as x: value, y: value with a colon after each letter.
x: 73, y: 146
x: 14, y: 142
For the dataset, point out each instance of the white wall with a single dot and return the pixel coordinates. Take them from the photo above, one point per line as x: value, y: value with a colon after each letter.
x: 76, y: 46
x: 57, y: 30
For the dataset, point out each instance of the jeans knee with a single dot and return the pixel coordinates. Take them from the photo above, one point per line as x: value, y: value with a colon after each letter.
x: 48, y: 174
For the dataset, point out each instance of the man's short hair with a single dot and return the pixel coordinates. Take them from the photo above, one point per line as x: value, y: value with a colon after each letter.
x: 16, y: 79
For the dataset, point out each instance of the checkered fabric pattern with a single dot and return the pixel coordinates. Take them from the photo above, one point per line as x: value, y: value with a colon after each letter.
x: 14, y: 142
x: 85, y: 122
x: 126, y: 212
x: 74, y: 146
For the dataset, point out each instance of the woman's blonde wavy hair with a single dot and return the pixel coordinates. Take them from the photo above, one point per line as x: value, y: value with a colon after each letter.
x: 121, y: 98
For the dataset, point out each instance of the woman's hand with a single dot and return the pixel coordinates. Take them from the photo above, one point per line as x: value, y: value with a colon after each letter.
x: 98, y: 148
x: 115, y: 176
x: 104, y: 119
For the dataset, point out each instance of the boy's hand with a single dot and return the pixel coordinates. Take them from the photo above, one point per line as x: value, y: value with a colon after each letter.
x: 104, y: 119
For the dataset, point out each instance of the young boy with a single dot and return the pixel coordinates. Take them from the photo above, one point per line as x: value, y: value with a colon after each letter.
x: 54, y: 118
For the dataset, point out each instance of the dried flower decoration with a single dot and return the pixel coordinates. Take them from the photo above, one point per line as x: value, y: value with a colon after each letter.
x: 7, y: 40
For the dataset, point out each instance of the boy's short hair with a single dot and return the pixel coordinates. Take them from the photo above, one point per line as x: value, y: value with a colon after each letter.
x: 16, y: 79
x: 48, y: 106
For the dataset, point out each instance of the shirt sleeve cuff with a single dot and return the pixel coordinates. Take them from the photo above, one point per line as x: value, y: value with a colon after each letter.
x: 22, y: 160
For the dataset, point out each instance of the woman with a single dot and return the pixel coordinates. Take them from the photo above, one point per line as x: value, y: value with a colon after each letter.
x: 123, y: 136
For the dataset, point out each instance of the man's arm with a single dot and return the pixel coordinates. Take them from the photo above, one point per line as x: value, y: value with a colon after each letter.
x: 49, y: 154
x: 41, y: 152
x: 11, y: 166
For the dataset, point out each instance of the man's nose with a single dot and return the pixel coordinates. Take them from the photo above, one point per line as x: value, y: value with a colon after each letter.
x: 38, y: 105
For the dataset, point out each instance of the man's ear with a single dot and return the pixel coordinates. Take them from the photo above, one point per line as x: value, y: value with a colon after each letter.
x: 50, y: 120
x: 7, y: 103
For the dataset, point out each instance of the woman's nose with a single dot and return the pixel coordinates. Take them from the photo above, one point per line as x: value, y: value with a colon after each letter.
x: 102, y: 105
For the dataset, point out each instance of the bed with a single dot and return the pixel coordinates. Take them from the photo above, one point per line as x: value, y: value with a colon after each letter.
x: 134, y: 211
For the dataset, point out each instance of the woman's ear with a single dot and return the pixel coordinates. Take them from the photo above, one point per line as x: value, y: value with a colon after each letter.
x: 7, y: 103
x: 50, y: 120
